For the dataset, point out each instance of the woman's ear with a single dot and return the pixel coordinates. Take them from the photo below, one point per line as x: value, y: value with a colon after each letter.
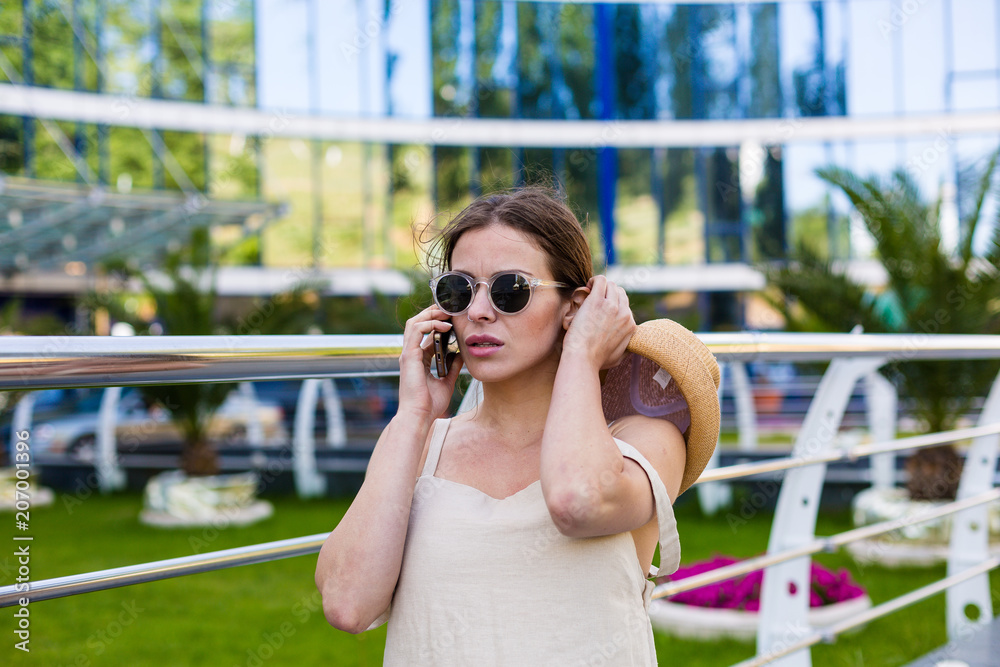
x: 575, y: 301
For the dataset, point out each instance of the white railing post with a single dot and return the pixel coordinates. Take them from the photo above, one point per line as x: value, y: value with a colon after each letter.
x: 746, y: 410
x: 309, y: 483
x: 968, y: 603
x: 713, y: 496
x: 336, y: 427
x: 784, y: 603
x: 251, y: 416
x: 23, y: 412
x: 110, y: 476
x: 882, y: 400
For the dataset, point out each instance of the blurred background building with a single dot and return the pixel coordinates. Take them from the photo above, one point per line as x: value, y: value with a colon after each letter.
x: 310, y: 136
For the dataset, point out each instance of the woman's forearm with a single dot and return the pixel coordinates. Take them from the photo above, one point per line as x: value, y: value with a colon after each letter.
x: 581, y: 467
x: 359, y: 563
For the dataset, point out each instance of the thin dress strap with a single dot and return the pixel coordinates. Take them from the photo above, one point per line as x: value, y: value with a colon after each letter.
x: 438, y: 432
x: 670, y: 546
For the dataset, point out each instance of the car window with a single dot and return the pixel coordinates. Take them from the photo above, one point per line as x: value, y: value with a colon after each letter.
x: 49, y: 397
x: 91, y: 402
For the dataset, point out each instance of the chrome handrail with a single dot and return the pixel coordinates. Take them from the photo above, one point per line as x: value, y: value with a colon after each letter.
x: 49, y: 589
x: 824, y: 544
x: 738, y: 470
x: 55, y: 362
x: 830, y: 633
x: 141, y: 573
x: 51, y: 362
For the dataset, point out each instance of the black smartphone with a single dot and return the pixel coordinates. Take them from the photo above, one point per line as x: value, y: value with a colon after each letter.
x: 443, y: 346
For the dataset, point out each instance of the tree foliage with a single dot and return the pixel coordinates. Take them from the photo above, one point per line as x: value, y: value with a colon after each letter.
x: 185, y: 300
x: 929, y: 289
x: 185, y: 297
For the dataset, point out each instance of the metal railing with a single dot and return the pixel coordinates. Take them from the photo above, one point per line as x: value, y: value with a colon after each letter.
x: 51, y: 362
x: 41, y: 362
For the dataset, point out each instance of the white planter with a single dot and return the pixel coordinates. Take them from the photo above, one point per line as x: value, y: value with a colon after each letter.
x: 36, y: 496
x: 897, y: 552
x: 173, y: 500
x: 689, y: 622
x: 917, y: 545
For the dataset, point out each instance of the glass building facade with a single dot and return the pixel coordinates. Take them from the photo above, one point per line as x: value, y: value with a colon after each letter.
x: 354, y: 203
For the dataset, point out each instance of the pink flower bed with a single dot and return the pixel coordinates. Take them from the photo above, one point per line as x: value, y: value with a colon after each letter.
x: 743, y: 592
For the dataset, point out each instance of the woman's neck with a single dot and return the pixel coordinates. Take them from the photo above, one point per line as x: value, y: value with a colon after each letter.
x: 515, y: 410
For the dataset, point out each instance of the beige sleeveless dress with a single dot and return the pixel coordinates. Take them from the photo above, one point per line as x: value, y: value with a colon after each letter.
x: 488, y: 581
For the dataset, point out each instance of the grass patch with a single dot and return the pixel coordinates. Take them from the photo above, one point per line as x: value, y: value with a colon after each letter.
x: 269, y: 613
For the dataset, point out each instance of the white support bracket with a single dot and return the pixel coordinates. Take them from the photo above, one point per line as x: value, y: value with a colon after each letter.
x: 23, y: 413
x: 784, y: 603
x: 309, y: 483
x: 336, y: 422
x: 968, y: 604
x: 713, y: 496
x: 110, y: 476
x: 882, y: 402
x: 251, y: 416
x: 746, y: 410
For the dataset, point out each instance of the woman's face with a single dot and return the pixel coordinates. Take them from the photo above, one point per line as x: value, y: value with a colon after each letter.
x: 497, y: 346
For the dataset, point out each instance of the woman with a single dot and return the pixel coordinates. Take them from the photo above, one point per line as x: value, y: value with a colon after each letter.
x: 520, y: 532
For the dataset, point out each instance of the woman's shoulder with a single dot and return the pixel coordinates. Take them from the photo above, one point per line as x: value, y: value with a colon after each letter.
x: 659, y: 441
x: 642, y: 427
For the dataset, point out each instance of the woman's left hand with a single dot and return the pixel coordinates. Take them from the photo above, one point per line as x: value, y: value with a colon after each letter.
x: 603, y: 325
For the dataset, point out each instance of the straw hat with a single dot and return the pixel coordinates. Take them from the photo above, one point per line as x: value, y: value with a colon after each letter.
x: 669, y: 373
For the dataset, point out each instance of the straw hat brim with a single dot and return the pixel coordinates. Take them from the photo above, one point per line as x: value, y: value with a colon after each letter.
x: 696, y: 373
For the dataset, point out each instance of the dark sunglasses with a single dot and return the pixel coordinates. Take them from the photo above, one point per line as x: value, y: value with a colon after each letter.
x: 509, y: 292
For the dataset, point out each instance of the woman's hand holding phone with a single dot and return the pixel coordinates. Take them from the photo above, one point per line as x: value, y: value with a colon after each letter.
x: 443, y: 352
x: 419, y: 390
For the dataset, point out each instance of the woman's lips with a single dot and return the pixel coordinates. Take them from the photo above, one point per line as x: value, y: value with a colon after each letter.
x: 481, y: 345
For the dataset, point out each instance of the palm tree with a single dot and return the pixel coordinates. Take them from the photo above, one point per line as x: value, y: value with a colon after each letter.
x: 930, y: 290
x: 186, y: 304
x: 185, y: 301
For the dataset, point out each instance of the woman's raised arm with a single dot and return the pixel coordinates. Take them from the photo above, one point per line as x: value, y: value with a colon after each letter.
x: 590, y: 488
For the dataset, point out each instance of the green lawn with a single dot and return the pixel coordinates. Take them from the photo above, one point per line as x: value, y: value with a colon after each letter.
x: 269, y: 613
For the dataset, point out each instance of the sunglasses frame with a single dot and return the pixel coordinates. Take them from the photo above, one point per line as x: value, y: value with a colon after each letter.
x: 532, y: 284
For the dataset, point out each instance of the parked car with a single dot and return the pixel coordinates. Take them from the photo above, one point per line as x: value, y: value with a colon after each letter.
x: 368, y: 403
x: 49, y: 404
x: 141, y: 426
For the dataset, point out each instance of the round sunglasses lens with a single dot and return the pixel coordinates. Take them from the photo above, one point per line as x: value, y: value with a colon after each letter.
x: 510, y: 292
x: 454, y: 294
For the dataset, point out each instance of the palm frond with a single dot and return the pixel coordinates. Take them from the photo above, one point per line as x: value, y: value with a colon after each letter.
x: 810, y: 280
x: 895, y: 216
x: 927, y: 292
x: 971, y: 220
x: 992, y: 255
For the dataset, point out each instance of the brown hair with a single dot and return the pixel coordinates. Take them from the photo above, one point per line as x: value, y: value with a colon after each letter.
x: 540, y: 214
